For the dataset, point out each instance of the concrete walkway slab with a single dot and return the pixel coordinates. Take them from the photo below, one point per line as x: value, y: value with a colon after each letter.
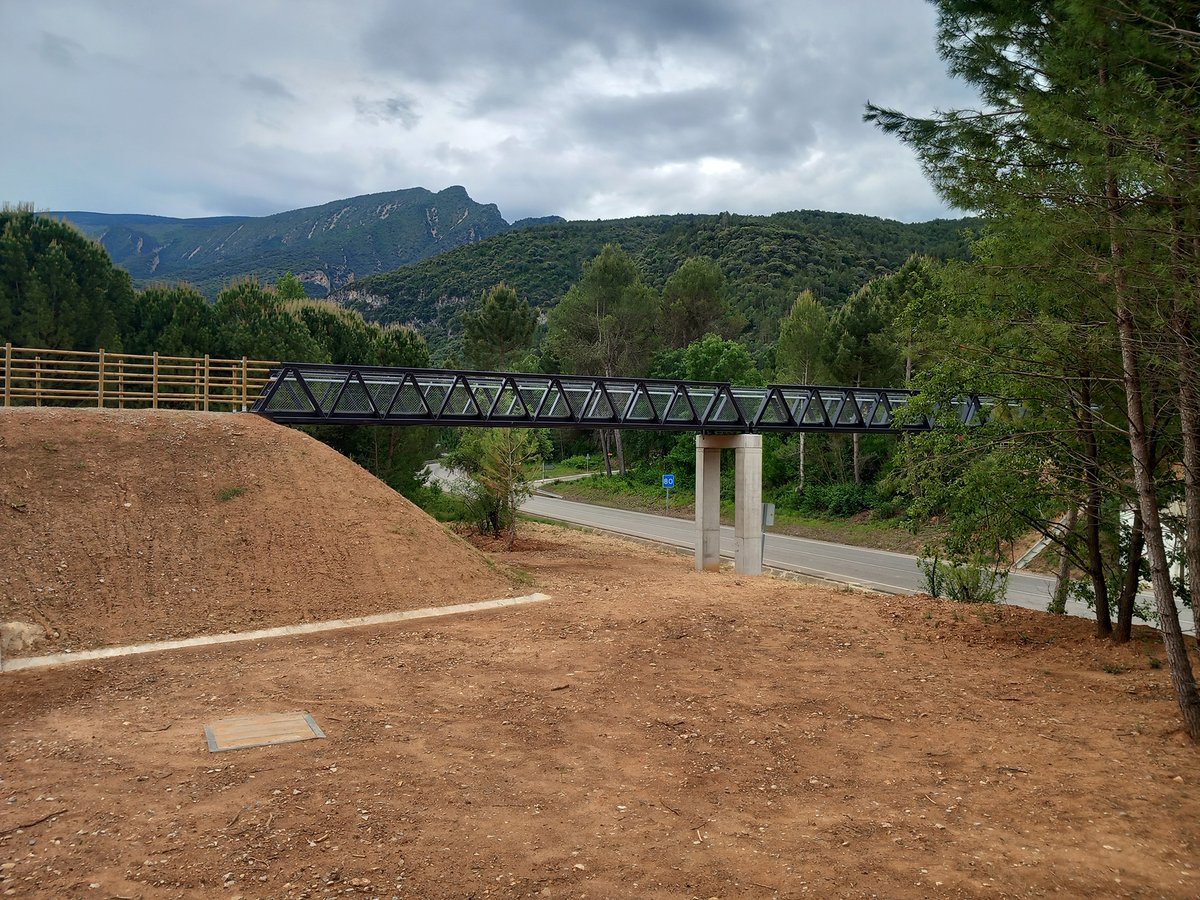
x: 57, y: 659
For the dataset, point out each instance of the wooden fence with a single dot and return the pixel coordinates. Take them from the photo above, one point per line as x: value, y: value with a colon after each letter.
x: 39, y: 377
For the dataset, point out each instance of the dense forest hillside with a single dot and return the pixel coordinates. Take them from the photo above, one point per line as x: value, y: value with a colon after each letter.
x: 327, y: 246
x: 767, y: 261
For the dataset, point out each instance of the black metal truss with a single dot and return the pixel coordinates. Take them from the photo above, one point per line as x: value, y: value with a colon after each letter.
x: 313, y: 394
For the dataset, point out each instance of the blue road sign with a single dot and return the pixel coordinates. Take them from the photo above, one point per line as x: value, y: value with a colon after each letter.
x: 668, y: 481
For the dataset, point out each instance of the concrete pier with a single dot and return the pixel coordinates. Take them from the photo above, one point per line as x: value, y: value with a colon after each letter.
x: 748, y: 529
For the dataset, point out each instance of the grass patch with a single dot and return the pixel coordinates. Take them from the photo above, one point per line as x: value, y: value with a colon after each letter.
x: 228, y: 493
x: 514, y: 574
x: 558, y: 470
x: 988, y: 616
x: 521, y: 576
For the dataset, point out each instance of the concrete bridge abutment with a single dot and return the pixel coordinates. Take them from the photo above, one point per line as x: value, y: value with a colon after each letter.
x: 748, y: 527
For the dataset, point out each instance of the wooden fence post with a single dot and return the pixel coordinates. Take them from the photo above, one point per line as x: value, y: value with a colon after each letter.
x: 206, y: 370
x: 100, y: 381
x: 121, y: 383
x: 154, y: 384
x: 244, y: 385
x: 37, y: 381
x: 8, y: 374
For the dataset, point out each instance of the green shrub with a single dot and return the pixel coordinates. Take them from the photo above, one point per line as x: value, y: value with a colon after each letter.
x: 837, y: 498
x: 442, y: 505
x: 964, y: 582
x: 933, y: 572
x: 969, y: 583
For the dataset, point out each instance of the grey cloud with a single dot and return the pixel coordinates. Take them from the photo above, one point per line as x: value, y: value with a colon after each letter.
x: 390, y: 109
x: 524, y: 41
x: 266, y: 86
x: 687, y: 125
x: 541, y: 106
x: 59, y: 51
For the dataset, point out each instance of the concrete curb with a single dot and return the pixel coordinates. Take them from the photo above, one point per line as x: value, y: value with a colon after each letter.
x: 431, y: 612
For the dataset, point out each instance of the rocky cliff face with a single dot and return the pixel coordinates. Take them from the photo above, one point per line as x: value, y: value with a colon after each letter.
x: 328, y: 246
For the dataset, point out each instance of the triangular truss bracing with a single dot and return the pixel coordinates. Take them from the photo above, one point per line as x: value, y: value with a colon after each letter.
x: 300, y: 393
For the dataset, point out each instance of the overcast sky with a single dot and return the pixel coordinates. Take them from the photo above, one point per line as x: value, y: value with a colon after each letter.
x: 581, y: 109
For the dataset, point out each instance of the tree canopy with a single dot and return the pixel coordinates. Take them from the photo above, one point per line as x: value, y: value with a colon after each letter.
x: 57, y: 288
x: 500, y: 331
x: 606, y: 323
x: 1083, y: 159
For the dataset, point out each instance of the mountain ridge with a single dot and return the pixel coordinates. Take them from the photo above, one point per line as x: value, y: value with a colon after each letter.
x: 419, y: 257
x: 326, y: 246
x: 766, y: 260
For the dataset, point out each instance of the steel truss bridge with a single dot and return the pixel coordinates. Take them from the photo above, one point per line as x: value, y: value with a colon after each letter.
x: 313, y: 394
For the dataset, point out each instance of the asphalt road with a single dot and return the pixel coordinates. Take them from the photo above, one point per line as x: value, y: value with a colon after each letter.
x: 877, y: 569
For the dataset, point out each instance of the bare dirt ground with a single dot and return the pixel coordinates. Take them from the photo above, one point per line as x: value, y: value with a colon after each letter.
x: 648, y: 732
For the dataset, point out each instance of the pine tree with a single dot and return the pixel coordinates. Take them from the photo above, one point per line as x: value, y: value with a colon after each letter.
x: 1087, y: 138
x: 801, y: 353
x: 693, y: 302
x: 289, y: 287
x: 57, y: 288
x: 67, y: 320
x: 34, y: 325
x: 861, y: 349
x: 252, y: 321
x: 500, y: 331
x: 498, y: 460
x: 606, y: 323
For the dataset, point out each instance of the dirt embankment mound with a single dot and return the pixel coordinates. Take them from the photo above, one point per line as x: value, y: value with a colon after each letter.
x: 125, y: 526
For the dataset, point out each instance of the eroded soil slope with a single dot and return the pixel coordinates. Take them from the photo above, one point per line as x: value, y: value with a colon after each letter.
x: 125, y: 526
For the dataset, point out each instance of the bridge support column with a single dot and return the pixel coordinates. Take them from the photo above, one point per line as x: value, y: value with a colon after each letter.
x: 747, y: 546
x: 708, y: 503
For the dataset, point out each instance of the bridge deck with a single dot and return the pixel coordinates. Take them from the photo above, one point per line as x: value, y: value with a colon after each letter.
x: 310, y: 394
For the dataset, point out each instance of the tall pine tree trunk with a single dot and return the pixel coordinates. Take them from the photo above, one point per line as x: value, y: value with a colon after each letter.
x: 1189, y: 415
x: 854, y: 442
x: 1133, y: 577
x: 806, y: 376
x: 604, y: 452
x: 1186, y: 251
x: 1062, y: 578
x: 1091, y: 477
x: 620, y: 450
x: 1183, y: 679
x: 802, y: 436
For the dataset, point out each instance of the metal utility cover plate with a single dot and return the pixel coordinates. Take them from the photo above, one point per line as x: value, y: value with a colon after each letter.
x: 262, y: 730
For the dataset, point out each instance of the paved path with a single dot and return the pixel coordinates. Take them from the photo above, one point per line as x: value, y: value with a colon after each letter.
x: 878, y: 569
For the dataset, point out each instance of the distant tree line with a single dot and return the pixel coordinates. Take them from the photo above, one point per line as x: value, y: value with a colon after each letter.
x: 766, y: 261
